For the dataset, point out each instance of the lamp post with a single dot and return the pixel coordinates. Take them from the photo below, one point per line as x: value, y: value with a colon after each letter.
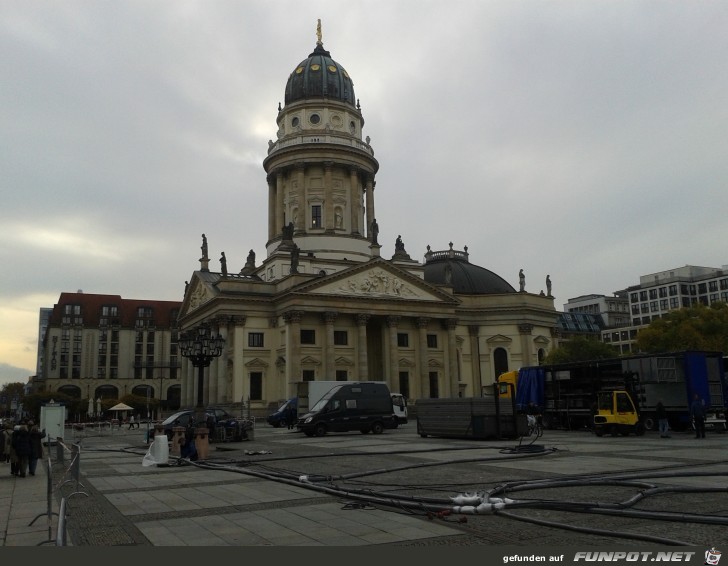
x: 200, y: 346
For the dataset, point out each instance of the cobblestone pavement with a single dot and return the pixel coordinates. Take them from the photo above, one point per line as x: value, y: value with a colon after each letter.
x: 285, y: 489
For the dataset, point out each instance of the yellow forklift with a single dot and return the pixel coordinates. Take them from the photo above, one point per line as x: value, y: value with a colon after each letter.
x: 616, y: 414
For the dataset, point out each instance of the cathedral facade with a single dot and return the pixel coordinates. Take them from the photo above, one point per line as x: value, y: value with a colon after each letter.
x: 323, y: 304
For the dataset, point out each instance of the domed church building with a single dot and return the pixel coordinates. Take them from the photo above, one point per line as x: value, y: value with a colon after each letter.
x: 323, y: 304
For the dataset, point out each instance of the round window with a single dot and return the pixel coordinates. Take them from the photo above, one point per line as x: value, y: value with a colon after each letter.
x: 315, y: 118
x: 352, y: 127
x: 294, y: 122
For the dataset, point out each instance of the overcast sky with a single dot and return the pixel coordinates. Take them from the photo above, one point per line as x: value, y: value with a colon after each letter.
x: 585, y: 140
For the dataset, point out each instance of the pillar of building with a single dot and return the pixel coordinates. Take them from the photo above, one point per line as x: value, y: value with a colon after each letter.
x: 423, y: 373
x: 279, y: 214
x: 293, y: 345
x: 452, y: 358
x: 189, y: 384
x: 355, y: 201
x: 271, y: 207
x: 393, y: 362
x: 476, y: 377
x: 362, y: 365
x: 370, y: 204
x: 302, y: 198
x: 525, y: 331
x: 329, y: 192
x: 329, y: 364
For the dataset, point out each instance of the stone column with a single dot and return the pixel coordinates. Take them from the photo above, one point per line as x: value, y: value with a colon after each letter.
x: 363, y: 369
x: 526, y: 351
x: 216, y: 366
x: 236, y: 329
x: 392, y: 322
x: 329, y: 196
x: 279, y: 216
x: 355, y: 200
x: 301, y: 221
x: 474, y: 330
x: 423, y: 376
x: 271, y: 207
x: 370, y: 204
x: 293, y: 345
x: 452, y: 354
x: 329, y: 365
x: 189, y: 383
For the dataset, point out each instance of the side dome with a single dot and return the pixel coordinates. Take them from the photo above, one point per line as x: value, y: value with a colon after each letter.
x: 320, y: 76
x: 452, y: 267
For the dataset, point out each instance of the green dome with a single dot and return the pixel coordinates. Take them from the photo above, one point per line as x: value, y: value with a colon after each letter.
x: 320, y: 76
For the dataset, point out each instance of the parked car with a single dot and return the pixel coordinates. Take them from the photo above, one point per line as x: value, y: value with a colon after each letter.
x: 285, y: 413
x: 184, y: 418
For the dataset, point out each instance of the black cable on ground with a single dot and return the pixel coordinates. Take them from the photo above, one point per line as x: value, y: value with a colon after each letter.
x: 600, y: 532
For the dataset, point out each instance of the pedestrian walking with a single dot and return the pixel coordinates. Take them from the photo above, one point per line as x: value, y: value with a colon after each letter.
x: 36, y: 446
x: 21, y: 444
x: 697, y: 411
x: 7, y: 434
x: 12, y: 455
x: 661, y: 414
x: 3, y: 443
x: 131, y: 422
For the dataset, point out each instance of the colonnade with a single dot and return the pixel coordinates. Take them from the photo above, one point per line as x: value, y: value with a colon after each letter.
x: 280, y: 191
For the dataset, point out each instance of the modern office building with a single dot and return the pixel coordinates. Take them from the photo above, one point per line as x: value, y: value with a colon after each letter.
x: 656, y: 295
x: 323, y: 304
x: 611, y: 311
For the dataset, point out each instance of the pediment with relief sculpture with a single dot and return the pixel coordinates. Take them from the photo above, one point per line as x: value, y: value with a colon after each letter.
x: 380, y: 282
x: 198, y: 292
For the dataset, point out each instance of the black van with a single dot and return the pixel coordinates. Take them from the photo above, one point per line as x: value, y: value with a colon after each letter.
x: 363, y: 406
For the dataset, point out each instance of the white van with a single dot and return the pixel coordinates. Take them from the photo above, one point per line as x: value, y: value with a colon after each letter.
x: 399, y: 404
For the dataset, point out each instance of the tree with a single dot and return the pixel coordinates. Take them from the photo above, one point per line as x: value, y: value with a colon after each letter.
x: 8, y: 393
x: 34, y: 401
x: 581, y: 349
x: 698, y: 327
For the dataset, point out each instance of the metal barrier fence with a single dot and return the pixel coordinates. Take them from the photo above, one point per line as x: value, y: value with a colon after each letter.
x: 73, y: 473
x: 49, y: 506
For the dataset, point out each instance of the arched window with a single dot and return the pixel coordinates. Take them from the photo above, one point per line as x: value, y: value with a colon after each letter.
x: 70, y: 390
x: 143, y: 391
x: 107, y: 392
x: 541, y: 355
x: 500, y: 361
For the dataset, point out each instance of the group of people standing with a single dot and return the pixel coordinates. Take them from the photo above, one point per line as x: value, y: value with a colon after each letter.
x: 697, y: 413
x: 21, y: 446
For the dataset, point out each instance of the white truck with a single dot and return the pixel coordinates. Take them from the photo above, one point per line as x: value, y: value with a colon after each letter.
x: 310, y: 392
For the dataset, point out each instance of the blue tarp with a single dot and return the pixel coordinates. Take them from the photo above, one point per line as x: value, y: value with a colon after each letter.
x: 530, y: 387
x: 696, y: 377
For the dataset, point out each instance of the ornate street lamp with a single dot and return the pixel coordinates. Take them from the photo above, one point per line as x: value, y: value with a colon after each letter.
x: 200, y: 346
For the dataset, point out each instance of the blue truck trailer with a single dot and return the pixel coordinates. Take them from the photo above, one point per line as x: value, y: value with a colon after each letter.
x: 566, y: 393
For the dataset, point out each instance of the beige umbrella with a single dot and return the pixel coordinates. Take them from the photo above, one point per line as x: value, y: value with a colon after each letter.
x: 121, y: 407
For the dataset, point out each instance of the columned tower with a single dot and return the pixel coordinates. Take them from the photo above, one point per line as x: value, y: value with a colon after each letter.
x: 320, y: 171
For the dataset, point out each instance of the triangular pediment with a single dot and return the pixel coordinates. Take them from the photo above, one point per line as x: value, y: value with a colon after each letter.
x: 256, y: 363
x: 310, y: 361
x: 377, y: 279
x: 406, y: 363
x: 434, y: 363
x: 540, y: 339
x: 343, y: 361
x: 499, y: 339
x: 200, y: 290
